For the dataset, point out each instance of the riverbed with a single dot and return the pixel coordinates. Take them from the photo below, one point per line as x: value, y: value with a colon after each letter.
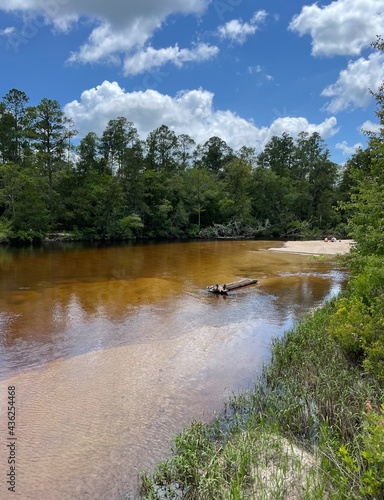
x: 114, y: 349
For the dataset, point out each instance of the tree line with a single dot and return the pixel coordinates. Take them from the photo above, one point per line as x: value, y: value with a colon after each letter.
x: 117, y: 186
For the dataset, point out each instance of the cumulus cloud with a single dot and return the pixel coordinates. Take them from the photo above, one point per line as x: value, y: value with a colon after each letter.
x: 238, y: 31
x: 189, y: 112
x: 117, y: 27
x: 369, y: 126
x: 348, y: 150
x: 151, y: 58
x: 118, y: 13
x: 295, y: 125
x: 351, y: 90
x: 344, y: 27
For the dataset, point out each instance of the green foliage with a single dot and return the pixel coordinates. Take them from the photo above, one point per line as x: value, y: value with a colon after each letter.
x: 23, y: 201
x: 358, y: 323
x: 238, y: 183
x: 373, y: 452
x: 348, y: 324
x: 5, y: 228
x: 175, y: 186
x: 25, y: 237
x: 215, y: 154
x: 366, y: 463
x: 131, y: 225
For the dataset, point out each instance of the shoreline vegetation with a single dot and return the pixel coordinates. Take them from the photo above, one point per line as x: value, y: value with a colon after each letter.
x: 311, y: 427
x: 313, y: 246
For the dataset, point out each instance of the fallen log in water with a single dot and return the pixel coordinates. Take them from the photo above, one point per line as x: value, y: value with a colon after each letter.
x: 231, y: 286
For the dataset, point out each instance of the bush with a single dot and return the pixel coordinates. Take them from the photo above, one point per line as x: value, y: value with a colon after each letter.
x: 25, y: 237
x: 368, y: 464
x: 5, y: 229
x: 358, y: 323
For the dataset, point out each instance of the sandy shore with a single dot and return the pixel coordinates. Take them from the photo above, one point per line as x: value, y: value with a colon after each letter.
x: 316, y: 247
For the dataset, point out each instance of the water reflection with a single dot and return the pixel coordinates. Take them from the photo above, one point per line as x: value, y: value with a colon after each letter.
x: 116, y: 348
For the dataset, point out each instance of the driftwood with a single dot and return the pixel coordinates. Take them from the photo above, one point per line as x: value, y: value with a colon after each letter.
x: 231, y: 286
x: 235, y: 229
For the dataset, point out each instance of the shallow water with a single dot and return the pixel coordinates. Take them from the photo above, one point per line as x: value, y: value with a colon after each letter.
x: 112, y: 350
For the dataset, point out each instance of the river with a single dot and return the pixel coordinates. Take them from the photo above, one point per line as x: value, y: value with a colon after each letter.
x: 114, y: 349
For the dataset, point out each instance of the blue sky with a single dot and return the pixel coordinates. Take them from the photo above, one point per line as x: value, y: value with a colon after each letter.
x: 241, y: 70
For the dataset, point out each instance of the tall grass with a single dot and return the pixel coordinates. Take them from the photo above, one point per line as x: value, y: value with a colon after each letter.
x: 297, y: 434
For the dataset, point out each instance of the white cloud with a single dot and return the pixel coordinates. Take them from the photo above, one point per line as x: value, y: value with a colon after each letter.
x: 7, y: 31
x: 117, y: 13
x: 117, y: 27
x: 348, y: 150
x: 255, y: 69
x: 344, y: 27
x: 369, y: 126
x: 295, y: 125
x: 351, y: 90
x: 237, y: 31
x: 189, y: 112
x: 261, y: 75
x: 104, y: 44
x: 150, y: 58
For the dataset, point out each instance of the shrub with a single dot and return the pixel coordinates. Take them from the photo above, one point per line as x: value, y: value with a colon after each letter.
x: 358, y: 323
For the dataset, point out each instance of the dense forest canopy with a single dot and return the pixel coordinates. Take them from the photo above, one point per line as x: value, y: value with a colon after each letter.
x: 118, y: 186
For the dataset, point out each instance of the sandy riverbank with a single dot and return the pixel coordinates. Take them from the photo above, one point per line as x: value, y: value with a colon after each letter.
x: 316, y: 247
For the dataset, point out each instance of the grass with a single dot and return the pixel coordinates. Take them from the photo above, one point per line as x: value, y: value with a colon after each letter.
x: 319, y: 257
x: 297, y: 434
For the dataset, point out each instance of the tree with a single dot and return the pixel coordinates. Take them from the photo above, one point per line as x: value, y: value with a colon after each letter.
x: 272, y: 201
x: 162, y: 150
x: 215, y: 154
x: 237, y: 181
x: 51, y: 136
x: 132, y: 177
x: 88, y: 158
x: 184, y: 147
x: 119, y: 136
x: 278, y: 155
x: 248, y: 155
x: 13, y: 126
x: 7, y: 143
x: 23, y: 201
x: 366, y: 209
x: 318, y: 176
x: 200, y: 188
x: 10, y: 187
x: 366, y: 169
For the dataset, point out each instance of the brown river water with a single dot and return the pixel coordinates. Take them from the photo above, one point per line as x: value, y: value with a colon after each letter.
x: 114, y: 349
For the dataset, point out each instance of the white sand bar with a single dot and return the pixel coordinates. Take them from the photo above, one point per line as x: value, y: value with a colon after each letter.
x: 316, y: 247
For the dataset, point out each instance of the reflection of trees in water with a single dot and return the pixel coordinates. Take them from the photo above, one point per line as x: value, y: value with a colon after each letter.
x: 296, y: 294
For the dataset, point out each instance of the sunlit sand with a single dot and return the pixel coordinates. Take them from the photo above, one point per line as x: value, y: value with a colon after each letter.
x: 317, y: 247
